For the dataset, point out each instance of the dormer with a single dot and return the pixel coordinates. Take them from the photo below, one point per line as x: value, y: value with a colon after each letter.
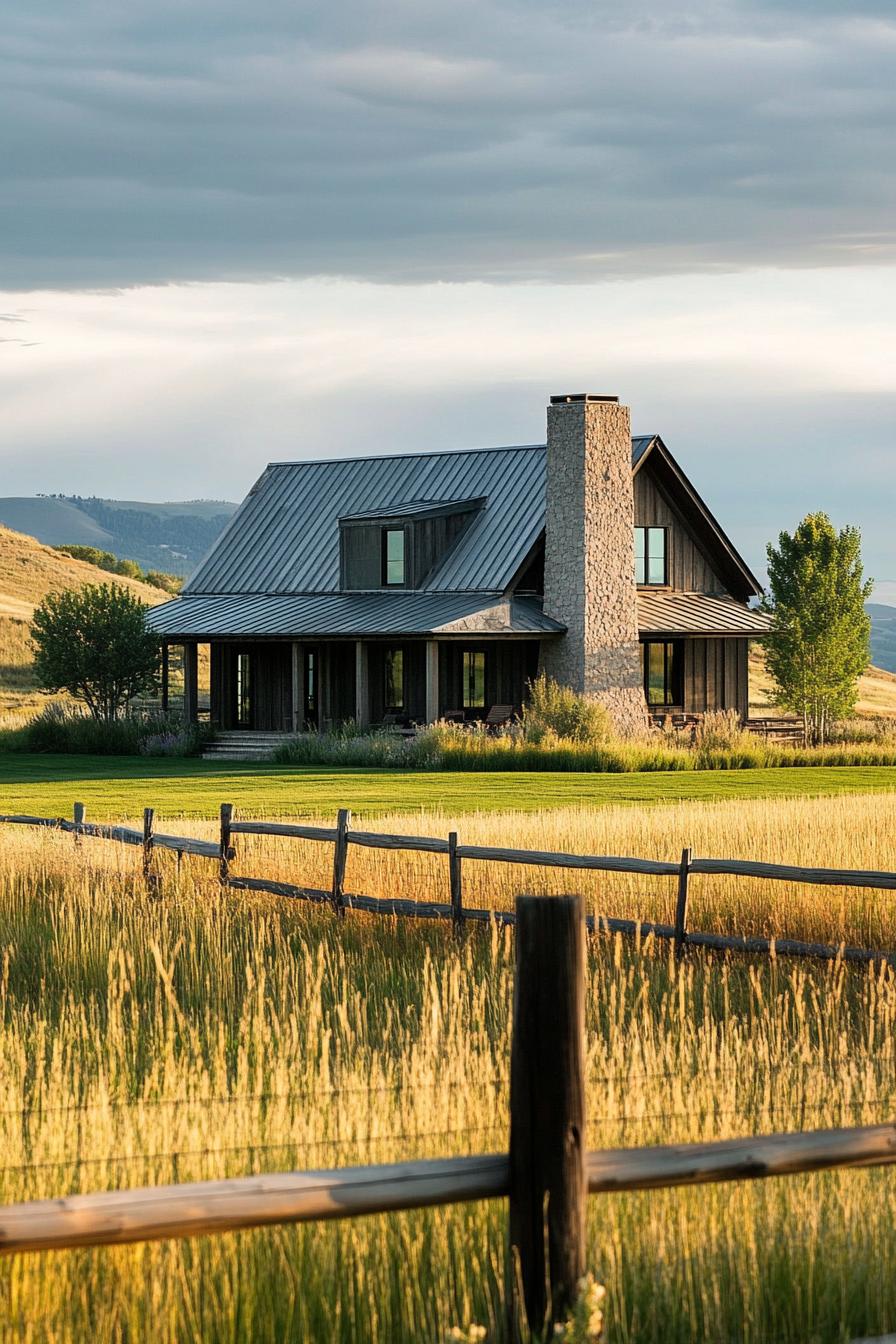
x: 400, y: 545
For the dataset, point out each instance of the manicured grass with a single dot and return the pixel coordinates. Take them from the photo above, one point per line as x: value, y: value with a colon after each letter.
x: 112, y: 786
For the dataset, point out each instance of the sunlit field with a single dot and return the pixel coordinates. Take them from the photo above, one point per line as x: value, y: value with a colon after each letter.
x: 209, y: 1033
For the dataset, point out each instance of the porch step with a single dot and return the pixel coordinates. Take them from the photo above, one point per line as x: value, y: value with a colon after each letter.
x: 248, y: 745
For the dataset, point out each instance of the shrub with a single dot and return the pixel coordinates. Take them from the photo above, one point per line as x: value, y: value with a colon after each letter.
x: 556, y: 709
x: 169, y: 583
x: 880, y: 728
x: 67, y: 729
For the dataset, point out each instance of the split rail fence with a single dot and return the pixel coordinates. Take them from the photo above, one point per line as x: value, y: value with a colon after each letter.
x: 343, y: 835
x: 546, y: 1175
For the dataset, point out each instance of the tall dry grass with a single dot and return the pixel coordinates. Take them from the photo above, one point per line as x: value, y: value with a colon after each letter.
x: 208, y: 1034
x: 847, y: 832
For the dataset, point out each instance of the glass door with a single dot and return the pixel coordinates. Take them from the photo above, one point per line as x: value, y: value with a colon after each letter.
x: 244, y: 690
x: 312, y: 665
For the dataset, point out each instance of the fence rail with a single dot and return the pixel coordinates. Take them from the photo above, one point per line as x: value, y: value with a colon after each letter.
x: 343, y: 836
x: 117, y: 1217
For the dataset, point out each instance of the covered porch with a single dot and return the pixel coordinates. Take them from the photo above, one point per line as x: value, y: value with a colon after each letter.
x: 291, y: 686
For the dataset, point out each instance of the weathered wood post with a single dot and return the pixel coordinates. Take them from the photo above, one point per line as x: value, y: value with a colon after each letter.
x: 340, y: 857
x: 225, y: 849
x: 150, y: 876
x: 455, y: 882
x: 78, y: 818
x: 681, y: 905
x: 548, y: 1190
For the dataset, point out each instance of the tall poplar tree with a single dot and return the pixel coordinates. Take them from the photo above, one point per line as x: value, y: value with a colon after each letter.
x: 818, y: 646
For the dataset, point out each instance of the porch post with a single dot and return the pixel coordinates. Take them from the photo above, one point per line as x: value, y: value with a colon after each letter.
x: 165, y: 677
x: 362, y: 685
x: 191, y: 682
x: 298, y: 688
x: 432, y: 681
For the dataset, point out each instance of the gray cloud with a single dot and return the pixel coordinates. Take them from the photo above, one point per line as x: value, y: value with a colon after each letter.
x: 406, y: 140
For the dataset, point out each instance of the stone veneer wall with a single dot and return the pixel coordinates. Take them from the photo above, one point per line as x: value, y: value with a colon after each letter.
x: 589, y: 570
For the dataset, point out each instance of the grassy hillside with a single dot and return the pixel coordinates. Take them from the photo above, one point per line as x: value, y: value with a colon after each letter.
x: 28, y: 572
x: 883, y: 634
x: 877, y: 688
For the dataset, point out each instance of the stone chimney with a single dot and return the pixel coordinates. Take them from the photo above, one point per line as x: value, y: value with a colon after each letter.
x: 589, y: 563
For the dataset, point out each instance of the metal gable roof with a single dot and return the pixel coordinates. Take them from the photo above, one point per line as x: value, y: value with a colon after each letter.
x: 331, y: 615
x: 284, y: 538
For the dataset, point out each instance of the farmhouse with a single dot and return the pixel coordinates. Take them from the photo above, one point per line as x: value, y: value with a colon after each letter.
x: 425, y: 585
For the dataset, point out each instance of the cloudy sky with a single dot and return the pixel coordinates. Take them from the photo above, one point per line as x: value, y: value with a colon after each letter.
x: 237, y: 231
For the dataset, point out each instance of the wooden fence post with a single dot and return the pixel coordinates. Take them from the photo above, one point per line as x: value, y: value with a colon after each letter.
x: 681, y: 905
x: 225, y: 851
x: 150, y: 876
x: 340, y: 855
x: 78, y: 818
x: 548, y: 1189
x: 456, y: 884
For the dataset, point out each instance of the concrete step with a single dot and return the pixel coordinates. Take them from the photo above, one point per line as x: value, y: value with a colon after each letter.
x: 244, y: 744
x: 237, y: 754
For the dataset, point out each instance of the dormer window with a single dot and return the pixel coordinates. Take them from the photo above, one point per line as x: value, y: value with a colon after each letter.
x: 402, y: 544
x: 393, y: 557
x: 650, y: 556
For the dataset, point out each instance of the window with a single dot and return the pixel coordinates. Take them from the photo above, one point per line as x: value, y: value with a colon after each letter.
x: 661, y: 670
x: 393, y: 690
x: 650, y: 555
x: 311, y: 686
x: 473, y: 679
x: 393, y: 557
x: 243, y: 690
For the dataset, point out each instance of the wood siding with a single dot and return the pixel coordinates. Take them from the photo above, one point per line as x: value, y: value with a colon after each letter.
x: 715, y: 675
x: 427, y: 542
x: 508, y: 666
x: 689, y: 571
x: 362, y: 555
x: 270, y: 680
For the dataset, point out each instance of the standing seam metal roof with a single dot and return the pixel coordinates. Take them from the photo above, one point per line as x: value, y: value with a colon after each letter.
x: 345, y: 614
x: 284, y: 538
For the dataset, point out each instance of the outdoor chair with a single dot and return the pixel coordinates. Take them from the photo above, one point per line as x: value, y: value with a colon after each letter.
x: 498, y: 717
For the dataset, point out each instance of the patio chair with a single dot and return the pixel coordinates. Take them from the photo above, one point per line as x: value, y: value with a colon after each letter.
x: 498, y: 717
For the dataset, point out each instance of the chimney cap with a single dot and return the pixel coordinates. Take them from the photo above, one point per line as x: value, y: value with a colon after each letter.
x: 582, y: 396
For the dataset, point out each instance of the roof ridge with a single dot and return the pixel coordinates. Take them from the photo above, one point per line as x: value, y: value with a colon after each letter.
x: 391, y: 457
x: 435, y: 452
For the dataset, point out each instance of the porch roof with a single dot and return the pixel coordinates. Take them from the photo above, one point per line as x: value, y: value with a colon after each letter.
x: 698, y: 614
x: 344, y: 615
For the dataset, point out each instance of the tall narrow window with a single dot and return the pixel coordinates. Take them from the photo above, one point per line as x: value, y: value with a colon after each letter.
x: 473, y: 679
x: 311, y: 686
x: 650, y: 555
x: 393, y: 690
x: 393, y: 557
x: 244, y: 690
x: 661, y: 670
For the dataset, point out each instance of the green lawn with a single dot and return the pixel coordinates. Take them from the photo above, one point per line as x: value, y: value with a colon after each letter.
x: 111, y: 786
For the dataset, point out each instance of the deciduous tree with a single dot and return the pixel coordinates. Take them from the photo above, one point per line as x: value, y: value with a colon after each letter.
x: 93, y: 643
x: 818, y: 647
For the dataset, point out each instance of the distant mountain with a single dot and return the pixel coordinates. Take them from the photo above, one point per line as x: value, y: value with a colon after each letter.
x: 883, y: 635
x: 171, y: 537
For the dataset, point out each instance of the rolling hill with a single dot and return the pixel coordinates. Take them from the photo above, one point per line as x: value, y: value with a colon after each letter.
x: 28, y: 571
x: 877, y: 689
x: 172, y: 537
x: 883, y: 634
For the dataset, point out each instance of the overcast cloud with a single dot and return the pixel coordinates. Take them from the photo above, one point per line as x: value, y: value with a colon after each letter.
x: 417, y: 141
x: 231, y: 232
